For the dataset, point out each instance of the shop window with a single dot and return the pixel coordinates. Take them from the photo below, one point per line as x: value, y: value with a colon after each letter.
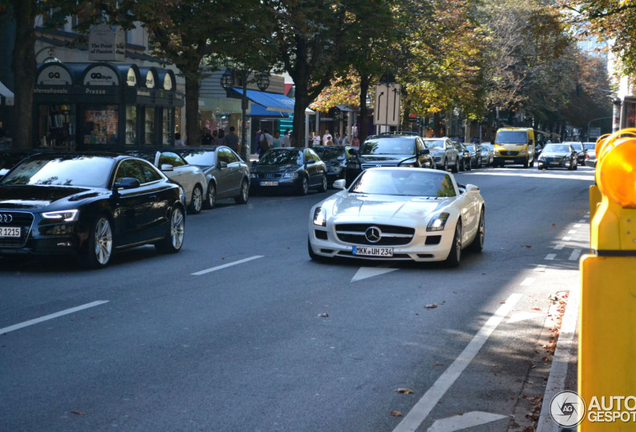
x: 149, y: 126
x: 631, y: 115
x: 131, y: 125
x: 166, y: 127
x: 56, y: 126
x: 101, y: 125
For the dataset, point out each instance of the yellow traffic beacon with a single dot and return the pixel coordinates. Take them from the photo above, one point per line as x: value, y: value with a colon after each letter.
x: 607, y: 351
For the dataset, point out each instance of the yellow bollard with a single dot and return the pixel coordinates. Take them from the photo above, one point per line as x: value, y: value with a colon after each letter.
x: 607, y: 338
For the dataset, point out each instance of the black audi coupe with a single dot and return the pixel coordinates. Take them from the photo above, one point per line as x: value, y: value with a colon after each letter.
x: 89, y: 205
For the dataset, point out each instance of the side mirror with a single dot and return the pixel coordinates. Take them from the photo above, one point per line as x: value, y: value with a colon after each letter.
x: 310, y: 161
x: 353, y: 151
x: 472, y: 188
x: 340, y: 184
x: 254, y: 163
x: 424, y: 152
x: 222, y: 165
x: 531, y: 142
x: 167, y: 167
x: 127, y: 183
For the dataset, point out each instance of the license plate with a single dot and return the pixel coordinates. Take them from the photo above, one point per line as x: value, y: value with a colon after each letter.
x: 554, y: 163
x: 373, y: 251
x: 10, y: 232
x: 510, y: 161
x: 269, y: 183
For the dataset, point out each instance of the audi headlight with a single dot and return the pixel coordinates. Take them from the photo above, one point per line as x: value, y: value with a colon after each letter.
x: 252, y: 175
x: 437, y: 222
x: 65, y: 215
x: 541, y: 157
x: 320, y: 217
x: 290, y: 175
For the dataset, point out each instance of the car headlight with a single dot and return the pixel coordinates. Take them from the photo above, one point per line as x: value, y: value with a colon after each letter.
x: 335, y: 169
x: 320, y: 217
x: 290, y: 175
x: 523, y: 152
x: 541, y: 157
x: 64, y: 215
x: 438, y: 222
x: 252, y: 175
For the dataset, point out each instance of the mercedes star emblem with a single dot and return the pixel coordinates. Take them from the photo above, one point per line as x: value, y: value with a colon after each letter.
x: 373, y: 234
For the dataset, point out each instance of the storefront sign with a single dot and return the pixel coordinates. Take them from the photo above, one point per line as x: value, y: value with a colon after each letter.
x: 54, y: 75
x: 143, y: 93
x: 50, y: 90
x: 167, y: 82
x: 150, y: 80
x: 106, y: 43
x: 101, y: 76
x: 131, y: 78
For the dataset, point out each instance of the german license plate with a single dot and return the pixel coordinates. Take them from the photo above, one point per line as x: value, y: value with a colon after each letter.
x: 269, y: 183
x: 10, y: 232
x: 554, y: 163
x: 373, y: 251
x: 510, y: 161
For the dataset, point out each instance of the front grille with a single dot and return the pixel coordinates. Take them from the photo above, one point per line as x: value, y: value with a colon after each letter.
x: 372, y: 165
x: 270, y: 176
x: 390, y: 235
x: 22, y: 220
x: 509, y: 153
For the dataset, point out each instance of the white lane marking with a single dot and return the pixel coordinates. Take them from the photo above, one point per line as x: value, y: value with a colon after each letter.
x: 425, y: 405
x: 572, y: 232
x: 52, y: 316
x: 582, y: 221
x: 527, y: 282
x: 369, y: 272
x: 523, y: 316
x: 559, y: 246
x: 575, y: 255
x: 540, y: 268
x: 464, y: 421
x: 221, y: 267
x: 550, y: 257
x: 578, y: 225
x: 587, y: 216
x: 567, y: 238
x: 562, y: 354
x: 516, y: 173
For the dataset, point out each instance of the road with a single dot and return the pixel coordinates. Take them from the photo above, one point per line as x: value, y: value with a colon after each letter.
x: 248, y: 345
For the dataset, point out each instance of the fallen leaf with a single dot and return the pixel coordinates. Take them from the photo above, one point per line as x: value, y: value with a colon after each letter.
x: 396, y: 414
x: 78, y: 413
x: 438, y: 364
x: 528, y: 246
x: 431, y: 306
x: 536, y: 308
x: 325, y: 315
x: 502, y: 302
x: 553, y: 225
x: 405, y: 391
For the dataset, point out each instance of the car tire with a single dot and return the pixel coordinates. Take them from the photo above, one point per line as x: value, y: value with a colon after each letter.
x: 99, y: 244
x: 210, y: 200
x: 324, y: 184
x: 173, y: 241
x: 244, y: 195
x: 532, y: 163
x: 196, y: 201
x: 303, y: 187
x: 455, y: 253
x: 446, y: 164
x: 469, y: 166
x: 478, y: 242
x: 479, y: 163
x: 313, y: 255
x: 526, y: 164
x: 456, y: 167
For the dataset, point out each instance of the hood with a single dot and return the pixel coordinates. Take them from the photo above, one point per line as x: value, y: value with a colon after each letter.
x: 385, y: 208
x: 34, y: 197
x: 384, y: 158
x: 274, y: 168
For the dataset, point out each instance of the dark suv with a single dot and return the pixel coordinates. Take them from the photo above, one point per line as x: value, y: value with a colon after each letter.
x: 407, y: 150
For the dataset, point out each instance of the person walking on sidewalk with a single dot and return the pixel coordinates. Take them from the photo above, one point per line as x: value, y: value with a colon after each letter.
x: 232, y: 140
x: 265, y: 143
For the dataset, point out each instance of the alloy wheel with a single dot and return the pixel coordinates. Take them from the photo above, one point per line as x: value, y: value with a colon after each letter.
x: 177, y: 228
x: 103, y: 241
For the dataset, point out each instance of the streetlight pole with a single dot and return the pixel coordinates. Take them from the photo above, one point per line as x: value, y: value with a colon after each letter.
x: 588, y: 124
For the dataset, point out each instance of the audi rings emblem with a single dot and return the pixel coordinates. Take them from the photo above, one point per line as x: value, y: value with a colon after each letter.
x: 373, y: 234
x: 6, y: 218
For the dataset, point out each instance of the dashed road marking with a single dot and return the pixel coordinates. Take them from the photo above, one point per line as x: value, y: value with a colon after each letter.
x: 577, y: 225
x: 575, y: 254
x: 52, y: 316
x: 550, y: 257
x: 572, y: 232
x: 221, y: 267
x: 527, y: 282
x: 367, y: 272
x: 567, y: 238
x: 540, y: 269
x: 559, y: 246
x: 465, y: 421
x: 582, y: 221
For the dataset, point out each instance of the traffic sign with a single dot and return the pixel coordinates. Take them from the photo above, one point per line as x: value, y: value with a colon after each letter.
x: 387, y: 104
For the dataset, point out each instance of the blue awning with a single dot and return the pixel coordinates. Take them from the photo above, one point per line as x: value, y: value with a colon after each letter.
x: 261, y: 111
x: 271, y: 101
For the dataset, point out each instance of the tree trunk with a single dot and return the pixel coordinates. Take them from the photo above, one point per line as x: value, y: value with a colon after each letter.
x: 437, y: 120
x: 24, y: 69
x: 365, y: 83
x: 193, y: 129
x: 300, y: 105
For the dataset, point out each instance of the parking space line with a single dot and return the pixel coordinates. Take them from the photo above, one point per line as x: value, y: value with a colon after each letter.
x: 575, y: 254
x: 221, y: 267
x: 582, y: 221
x: 572, y: 232
x: 578, y: 225
x: 527, y: 282
x: 559, y: 246
x: 567, y: 238
x: 425, y: 405
x: 550, y: 257
x: 51, y: 316
x: 540, y: 268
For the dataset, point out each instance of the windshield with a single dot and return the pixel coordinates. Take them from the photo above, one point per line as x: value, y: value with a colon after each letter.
x: 404, y: 183
x: 590, y: 146
x: 577, y: 146
x: 282, y: 157
x: 199, y: 157
x: 557, y: 148
x: 512, y: 137
x: 330, y: 154
x: 85, y: 171
x: 471, y: 148
x: 435, y: 143
x: 389, y: 146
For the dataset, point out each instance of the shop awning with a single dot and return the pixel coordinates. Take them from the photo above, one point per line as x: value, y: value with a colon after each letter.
x: 271, y: 101
x: 261, y: 111
x: 7, y: 96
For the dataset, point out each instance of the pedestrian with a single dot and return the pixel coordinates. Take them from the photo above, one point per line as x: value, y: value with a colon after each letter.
x: 346, y: 140
x: 286, y: 140
x: 178, y: 142
x: 354, y: 131
x: 215, y: 137
x: 327, y: 137
x: 220, y: 139
x: 232, y: 140
x: 206, y: 137
x: 316, y: 139
x: 277, y: 142
x: 329, y: 142
x: 266, y: 142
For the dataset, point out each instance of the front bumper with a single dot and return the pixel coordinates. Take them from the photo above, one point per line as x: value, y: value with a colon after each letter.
x: 508, y: 160
x: 553, y: 163
x: 416, y: 250
x: 281, y: 183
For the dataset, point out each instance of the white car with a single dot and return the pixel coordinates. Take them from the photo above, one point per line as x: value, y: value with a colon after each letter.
x: 409, y: 214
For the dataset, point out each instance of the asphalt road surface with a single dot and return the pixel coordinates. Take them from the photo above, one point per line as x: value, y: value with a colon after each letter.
x: 241, y: 331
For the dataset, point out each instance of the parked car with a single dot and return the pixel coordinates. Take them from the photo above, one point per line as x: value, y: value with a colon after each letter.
x: 444, y: 152
x: 88, y: 205
x: 335, y: 158
x: 404, y: 150
x: 481, y: 155
x: 10, y: 158
x: 590, y: 155
x: 580, y: 150
x: 227, y: 176
x: 558, y: 156
x: 466, y: 157
x: 399, y: 214
x: 189, y: 177
x: 289, y: 169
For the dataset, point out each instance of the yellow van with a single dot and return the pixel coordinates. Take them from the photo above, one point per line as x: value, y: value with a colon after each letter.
x: 514, y: 146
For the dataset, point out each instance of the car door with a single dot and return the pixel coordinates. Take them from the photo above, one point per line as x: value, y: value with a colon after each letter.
x: 236, y: 175
x: 160, y: 199
x: 313, y: 169
x: 224, y: 176
x: 451, y: 153
x: 177, y: 174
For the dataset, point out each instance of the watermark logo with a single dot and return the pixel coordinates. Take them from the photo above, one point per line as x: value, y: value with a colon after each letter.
x: 567, y: 408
